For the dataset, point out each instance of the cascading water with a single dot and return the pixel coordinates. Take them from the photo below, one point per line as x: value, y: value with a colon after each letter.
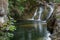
x: 51, y: 6
x: 39, y: 25
x: 40, y: 10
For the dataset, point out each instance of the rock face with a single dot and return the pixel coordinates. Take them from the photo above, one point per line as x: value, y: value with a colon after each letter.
x: 52, y: 22
x: 3, y: 10
x: 56, y: 34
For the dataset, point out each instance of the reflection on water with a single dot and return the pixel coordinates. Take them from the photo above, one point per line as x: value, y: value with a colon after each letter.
x: 31, y: 30
x: 34, y: 29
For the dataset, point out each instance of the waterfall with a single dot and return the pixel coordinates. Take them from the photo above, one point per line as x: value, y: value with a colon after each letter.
x: 40, y: 24
x: 39, y: 11
x: 51, y: 6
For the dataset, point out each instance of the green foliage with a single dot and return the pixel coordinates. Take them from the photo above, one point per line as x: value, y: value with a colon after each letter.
x: 17, y: 3
x: 18, y: 6
x: 12, y: 28
x: 10, y: 34
x: 6, y: 32
x: 57, y: 1
x: 6, y: 35
x: 11, y: 25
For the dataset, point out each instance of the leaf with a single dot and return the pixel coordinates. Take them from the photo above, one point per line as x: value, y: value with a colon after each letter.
x: 10, y: 35
x: 12, y: 28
